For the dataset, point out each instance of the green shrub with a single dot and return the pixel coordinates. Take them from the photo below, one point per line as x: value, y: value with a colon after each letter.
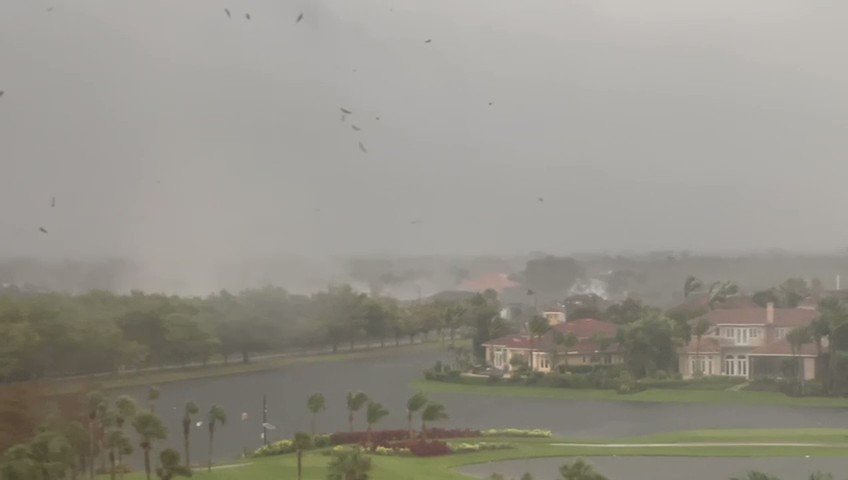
x: 516, y: 432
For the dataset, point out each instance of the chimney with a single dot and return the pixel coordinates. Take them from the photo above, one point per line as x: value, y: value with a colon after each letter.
x: 770, y: 313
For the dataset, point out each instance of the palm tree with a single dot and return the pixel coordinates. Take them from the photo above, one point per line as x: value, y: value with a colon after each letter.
x: 373, y: 414
x: 349, y: 466
x: 415, y: 403
x: 752, y: 475
x: 579, y: 470
x: 433, y: 412
x: 189, y: 410
x: 95, y: 411
x: 567, y: 341
x: 215, y: 416
x: 302, y: 442
x: 819, y: 328
x: 702, y: 326
x: 118, y: 443
x: 125, y: 409
x: 720, y: 291
x: 834, y: 313
x: 316, y: 405
x: 538, y: 326
x: 149, y: 427
x: 152, y: 396
x: 355, y: 402
x: 797, y: 337
x: 691, y: 285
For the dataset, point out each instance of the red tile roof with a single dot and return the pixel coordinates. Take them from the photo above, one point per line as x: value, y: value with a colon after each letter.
x: 514, y: 341
x: 782, y: 347
x: 587, y: 328
x: 783, y: 317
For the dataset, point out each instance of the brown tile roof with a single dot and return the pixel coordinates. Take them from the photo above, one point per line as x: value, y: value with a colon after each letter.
x: 783, y: 317
x: 708, y: 345
x: 782, y: 347
x: 587, y: 328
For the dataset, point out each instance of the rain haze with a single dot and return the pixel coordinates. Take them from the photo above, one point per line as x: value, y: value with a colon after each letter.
x: 181, y: 139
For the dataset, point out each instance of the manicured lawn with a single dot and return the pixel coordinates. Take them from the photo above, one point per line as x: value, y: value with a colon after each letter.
x: 650, y: 395
x: 442, y: 468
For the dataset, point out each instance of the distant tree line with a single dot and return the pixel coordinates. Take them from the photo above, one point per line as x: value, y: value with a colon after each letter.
x: 53, y: 334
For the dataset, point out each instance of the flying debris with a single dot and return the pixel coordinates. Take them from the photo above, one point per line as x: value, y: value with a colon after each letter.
x: 490, y: 103
x: 362, y: 147
x: 53, y: 202
x: 243, y: 416
x: 414, y: 222
x: 49, y: 9
x: 42, y: 230
x: 1, y: 93
x: 198, y: 424
x: 355, y: 128
x: 227, y: 11
x: 378, y: 118
x: 530, y: 292
x: 247, y: 16
x: 345, y: 111
x: 428, y: 40
x: 268, y: 426
x: 343, y: 117
x: 299, y: 18
x: 541, y: 199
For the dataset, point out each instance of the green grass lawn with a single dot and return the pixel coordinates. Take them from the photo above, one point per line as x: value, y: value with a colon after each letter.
x: 443, y: 468
x: 650, y: 395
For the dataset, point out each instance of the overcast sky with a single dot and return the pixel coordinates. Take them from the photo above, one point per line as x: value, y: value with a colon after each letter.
x: 167, y: 131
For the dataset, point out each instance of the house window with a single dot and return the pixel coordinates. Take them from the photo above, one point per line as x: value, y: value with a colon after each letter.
x: 755, y: 332
x: 729, y: 365
x: 500, y: 358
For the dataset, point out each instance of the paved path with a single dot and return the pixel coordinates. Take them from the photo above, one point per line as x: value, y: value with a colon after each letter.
x: 700, y: 444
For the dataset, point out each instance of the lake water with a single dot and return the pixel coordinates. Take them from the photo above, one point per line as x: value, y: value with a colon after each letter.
x: 386, y: 380
x: 668, y: 468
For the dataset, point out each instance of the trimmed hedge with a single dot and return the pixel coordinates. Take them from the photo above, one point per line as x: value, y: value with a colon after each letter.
x: 390, y: 437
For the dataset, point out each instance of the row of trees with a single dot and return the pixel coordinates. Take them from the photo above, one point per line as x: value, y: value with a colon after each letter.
x: 98, y: 433
x: 56, y: 334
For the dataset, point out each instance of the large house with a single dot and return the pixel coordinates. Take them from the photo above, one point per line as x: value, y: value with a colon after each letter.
x: 595, y: 345
x: 749, y: 342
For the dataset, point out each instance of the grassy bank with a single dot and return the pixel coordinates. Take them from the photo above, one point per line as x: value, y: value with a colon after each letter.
x: 833, y: 442
x: 650, y: 395
x: 129, y: 380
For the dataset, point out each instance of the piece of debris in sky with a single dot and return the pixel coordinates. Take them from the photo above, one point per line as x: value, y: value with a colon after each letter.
x: 345, y: 111
x: 49, y: 9
x: 42, y: 229
x: 53, y: 202
x: 541, y: 199
x: 227, y: 11
x: 355, y: 128
x: 343, y: 117
x: 490, y: 103
x: 362, y: 147
x: 1, y: 93
x: 428, y: 40
x: 247, y: 16
x: 299, y: 18
x: 377, y: 118
x: 530, y: 292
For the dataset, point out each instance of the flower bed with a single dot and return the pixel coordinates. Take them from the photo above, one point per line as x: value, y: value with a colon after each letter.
x: 516, y: 432
x: 385, y: 437
x: 465, y: 447
x: 283, y: 447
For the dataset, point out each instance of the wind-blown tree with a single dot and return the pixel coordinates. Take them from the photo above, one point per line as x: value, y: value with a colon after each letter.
x: 355, y: 402
x: 316, y: 405
x: 819, y: 329
x: 152, y: 396
x: 702, y: 326
x: 215, y: 416
x: 648, y: 344
x: 433, y: 412
x: 691, y: 285
x: 538, y: 326
x: 373, y: 414
x: 52, y: 452
x: 349, y: 465
x: 149, y: 429
x: 453, y: 317
x: 579, y: 470
x: 413, y: 405
x: 169, y: 465
x: 483, y: 315
x: 721, y: 291
x: 189, y: 411
x: 797, y: 337
x: 302, y: 441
